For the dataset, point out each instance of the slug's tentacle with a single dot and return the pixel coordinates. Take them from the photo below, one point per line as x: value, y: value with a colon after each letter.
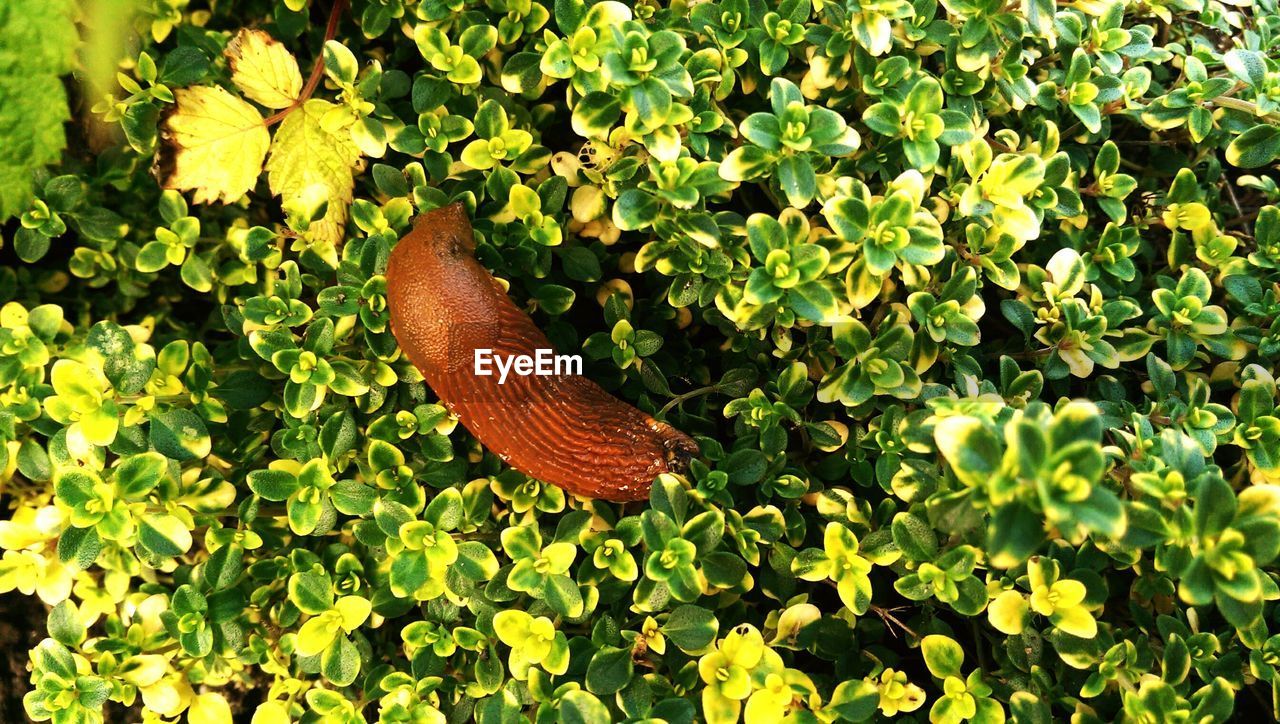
x: 563, y: 429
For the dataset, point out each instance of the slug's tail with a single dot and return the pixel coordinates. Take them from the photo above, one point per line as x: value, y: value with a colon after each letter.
x: 679, y: 447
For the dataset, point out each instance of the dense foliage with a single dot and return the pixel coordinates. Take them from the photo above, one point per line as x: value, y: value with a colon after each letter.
x: 971, y: 305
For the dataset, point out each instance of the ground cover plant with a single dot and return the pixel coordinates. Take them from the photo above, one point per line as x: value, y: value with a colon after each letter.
x: 971, y: 306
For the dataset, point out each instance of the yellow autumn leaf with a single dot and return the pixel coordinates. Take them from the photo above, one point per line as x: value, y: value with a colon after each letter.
x: 218, y: 143
x: 211, y: 708
x: 305, y: 156
x: 264, y: 69
x: 272, y: 712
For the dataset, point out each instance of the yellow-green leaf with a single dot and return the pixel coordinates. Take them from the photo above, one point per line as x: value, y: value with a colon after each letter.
x: 218, y: 142
x: 164, y: 535
x: 209, y: 708
x: 1008, y: 613
x: 263, y: 69
x: 354, y: 610
x: 1075, y: 621
x: 512, y: 626
x: 272, y: 712
x: 316, y: 634
x: 305, y: 155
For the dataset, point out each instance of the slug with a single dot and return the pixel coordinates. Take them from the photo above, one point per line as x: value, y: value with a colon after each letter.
x: 562, y: 428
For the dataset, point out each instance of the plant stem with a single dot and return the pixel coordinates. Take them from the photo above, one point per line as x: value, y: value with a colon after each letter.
x: 887, y: 615
x: 685, y: 396
x: 1237, y: 104
x: 317, y: 72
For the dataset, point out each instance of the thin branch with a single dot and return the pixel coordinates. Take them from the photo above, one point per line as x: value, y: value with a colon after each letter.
x: 886, y: 614
x: 685, y: 396
x: 317, y: 72
x: 1231, y: 191
x: 1237, y: 104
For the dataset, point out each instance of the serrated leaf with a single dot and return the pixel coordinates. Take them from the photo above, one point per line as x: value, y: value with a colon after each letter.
x: 37, y: 45
x: 306, y: 156
x: 218, y: 142
x: 263, y: 69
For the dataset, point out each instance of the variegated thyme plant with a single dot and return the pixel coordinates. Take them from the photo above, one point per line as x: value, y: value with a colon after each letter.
x: 971, y: 306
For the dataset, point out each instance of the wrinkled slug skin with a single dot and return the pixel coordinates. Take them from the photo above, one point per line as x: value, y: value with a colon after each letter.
x: 562, y: 429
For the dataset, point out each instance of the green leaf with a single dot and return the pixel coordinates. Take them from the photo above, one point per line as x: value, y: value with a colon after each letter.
x: 692, y: 628
x: 138, y: 474
x: 224, y: 566
x: 942, y: 655
x: 33, y: 461
x: 409, y: 572
x: 813, y: 301
x: 882, y: 118
x: 445, y: 510
x: 563, y: 596
x: 763, y: 130
x: 972, y: 450
x: 79, y: 546
x: 855, y: 700
x: 476, y: 561
x: 125, y: 364
x: 274, y: 485
x: 610, y: 670
x: 1215, y: 506
x: 704, y: 530
x: 914, y: 537
x: 153, y: 257
x: 652, y: 103
x: 184, y: 65
x: 34, y: 106
x: 311, y: 592
x: 1014, y: 534
x: 65, y: 626
x: 1248, y: 66
x: 164, y: 535
x: 1256, y: 147
x: 1215, y: 701
x: 54, y: 658
x: 76, y: 487
x: 745, y: 163
x: 478, y: 39
x: 635, y: 209
x: 1029, y: 708
x: 798, y: 180
x: 305, y: 515
x: 30, y: 245
x: 745, y: 467
x: 595, y: 114
x: 580, y: 707
x: 180, y: 434
x: 340, y: 663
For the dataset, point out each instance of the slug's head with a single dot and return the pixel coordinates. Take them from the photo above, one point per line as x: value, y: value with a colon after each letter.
x: 445, y: 230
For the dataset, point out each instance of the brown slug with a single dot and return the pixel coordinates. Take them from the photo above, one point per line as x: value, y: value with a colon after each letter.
x: 560, y: 428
